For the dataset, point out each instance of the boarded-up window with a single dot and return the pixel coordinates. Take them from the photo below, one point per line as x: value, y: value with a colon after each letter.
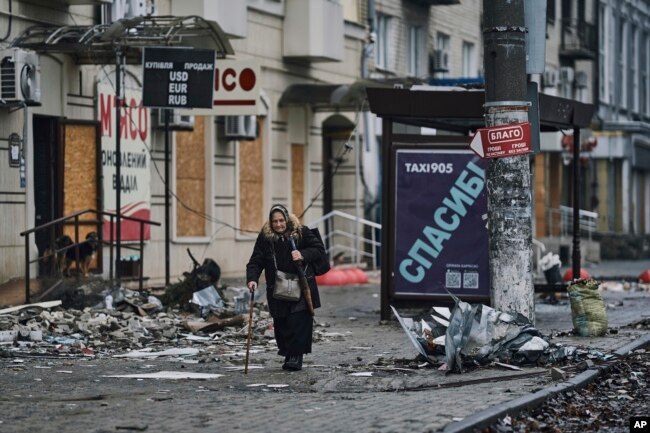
x: 251, y: 183
x: 190, y: 180
x: 297, y: 178
x: 80, y: 177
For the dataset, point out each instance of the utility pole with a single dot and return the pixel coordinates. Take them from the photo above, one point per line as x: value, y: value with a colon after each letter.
x: 508, y: 179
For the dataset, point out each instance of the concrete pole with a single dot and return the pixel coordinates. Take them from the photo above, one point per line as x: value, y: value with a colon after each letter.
x: 508, y: 179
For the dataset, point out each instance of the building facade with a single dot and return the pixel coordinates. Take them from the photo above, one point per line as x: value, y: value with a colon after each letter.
x: 302, y: 144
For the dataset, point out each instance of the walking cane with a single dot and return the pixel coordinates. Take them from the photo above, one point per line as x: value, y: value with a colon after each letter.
x: 250, y: 331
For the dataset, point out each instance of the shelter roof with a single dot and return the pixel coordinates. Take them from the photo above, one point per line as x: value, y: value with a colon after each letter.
x: 462, y: 110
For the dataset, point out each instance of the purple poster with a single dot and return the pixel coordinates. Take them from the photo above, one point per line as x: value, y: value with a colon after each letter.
x: 441, y: 238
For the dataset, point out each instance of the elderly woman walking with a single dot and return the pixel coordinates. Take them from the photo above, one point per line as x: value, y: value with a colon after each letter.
x: 292, y: 322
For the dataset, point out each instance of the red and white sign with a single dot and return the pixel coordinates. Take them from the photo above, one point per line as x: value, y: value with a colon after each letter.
x: 502, y: 141
x: 135, y: 161
x: 236, y: 89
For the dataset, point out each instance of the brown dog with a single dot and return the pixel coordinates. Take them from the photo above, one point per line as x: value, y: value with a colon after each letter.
x: 87, y: 251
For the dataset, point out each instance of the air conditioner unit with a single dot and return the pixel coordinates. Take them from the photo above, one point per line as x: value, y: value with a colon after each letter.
x: 177, y: 122
x: 440, y: 61
x: 241, y: 127
x: 581, y: 80
x: 550, y: 78
x: 20, y: 76
x: 131, y: 8
x: 567, y: 74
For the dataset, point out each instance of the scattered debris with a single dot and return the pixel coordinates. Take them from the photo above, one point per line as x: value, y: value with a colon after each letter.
x: 43, y: 305
x: 558, y: 374
x: 208, y: 300
x: 479, y: 335
x: 146, y: 353
x: 174, y: 375
x: 122, y: 322
x: 202, y: 275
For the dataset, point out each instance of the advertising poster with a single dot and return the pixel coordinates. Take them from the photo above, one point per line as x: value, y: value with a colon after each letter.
x: 135, y: 139
x: 441, y: 238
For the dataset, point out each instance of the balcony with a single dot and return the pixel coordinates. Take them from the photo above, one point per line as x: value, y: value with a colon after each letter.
x: 313, y: 31
x: 578, y: 40
x: 230, y: 15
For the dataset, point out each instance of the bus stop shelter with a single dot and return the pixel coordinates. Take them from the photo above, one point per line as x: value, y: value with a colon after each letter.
x: 458, y: 113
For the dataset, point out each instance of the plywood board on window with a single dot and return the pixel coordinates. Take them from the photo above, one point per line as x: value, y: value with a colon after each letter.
x: 190, y: 151
x: 191, y: 180
x: 297, y: 178
x: 80, y: 169
x: 80, y: 179
x: 189, y: 223
x: 251, y: 183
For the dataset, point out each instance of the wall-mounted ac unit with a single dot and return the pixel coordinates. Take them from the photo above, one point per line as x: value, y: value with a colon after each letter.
x: 567, y: 75
x: 131, y: 8
x: 241, y: 127
x: 581, y: 80
x: 439, y: 61
x: 177, y: 122
x: 20, y: 76
x: 550, y: 78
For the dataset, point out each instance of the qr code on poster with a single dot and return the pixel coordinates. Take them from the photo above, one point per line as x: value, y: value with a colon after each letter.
x: 470, y: 280
x: 452, y: 279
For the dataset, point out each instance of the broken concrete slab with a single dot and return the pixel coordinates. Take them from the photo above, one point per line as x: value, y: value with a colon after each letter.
x: 44, y: 305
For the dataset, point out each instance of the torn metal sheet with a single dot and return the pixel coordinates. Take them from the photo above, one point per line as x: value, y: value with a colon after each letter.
x: 442, y: 311
x: 427, y: 337
x: 407, y: 325
x: 478, y: 334
x: 443, y: 322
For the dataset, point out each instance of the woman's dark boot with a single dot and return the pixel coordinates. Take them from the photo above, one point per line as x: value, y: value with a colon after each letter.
x: 284, y: 366
x: 294, y: 363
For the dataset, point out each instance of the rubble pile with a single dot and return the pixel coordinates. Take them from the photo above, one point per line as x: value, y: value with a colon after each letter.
x: 123, y: 320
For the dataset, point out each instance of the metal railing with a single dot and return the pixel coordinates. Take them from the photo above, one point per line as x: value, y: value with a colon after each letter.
x: 350, y: 239
x: 560, y: 222
x: 53, y: 252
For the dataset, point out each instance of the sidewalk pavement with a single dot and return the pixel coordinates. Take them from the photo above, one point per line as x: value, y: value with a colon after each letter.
x: 615, y: 268
x: 426, y: 399
x: 362, y: 376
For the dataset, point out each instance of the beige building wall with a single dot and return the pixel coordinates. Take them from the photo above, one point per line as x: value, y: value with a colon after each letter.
x: 462, y: 23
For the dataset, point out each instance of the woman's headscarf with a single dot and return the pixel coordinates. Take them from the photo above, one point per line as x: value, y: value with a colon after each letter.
x: 279, y: 208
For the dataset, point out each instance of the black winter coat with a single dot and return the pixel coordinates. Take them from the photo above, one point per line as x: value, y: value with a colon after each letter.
x: 261, y: 259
